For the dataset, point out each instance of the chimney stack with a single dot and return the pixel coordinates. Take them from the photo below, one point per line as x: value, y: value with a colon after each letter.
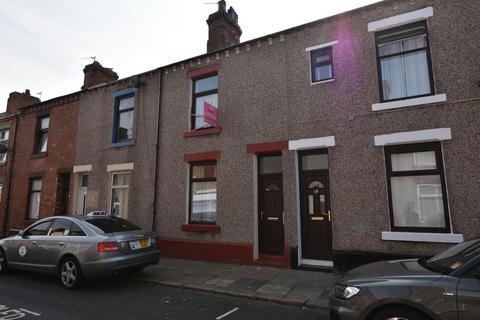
x: 18, y: 100
x: 95, y: 74
x: 223, y: 28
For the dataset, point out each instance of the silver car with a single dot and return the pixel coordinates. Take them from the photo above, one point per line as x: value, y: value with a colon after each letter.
x: 445, y: 287
x: 79, y: 247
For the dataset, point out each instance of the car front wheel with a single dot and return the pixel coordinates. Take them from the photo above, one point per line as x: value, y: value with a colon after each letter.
x: 70, y: 273
x: 3, y: 262
x: 399, y: 313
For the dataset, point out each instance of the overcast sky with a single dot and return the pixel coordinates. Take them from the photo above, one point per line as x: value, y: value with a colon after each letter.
x: 44, y: 43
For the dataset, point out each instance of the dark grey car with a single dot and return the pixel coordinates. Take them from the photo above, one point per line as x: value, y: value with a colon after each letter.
x: 79, y: 247
x: 445, y: 287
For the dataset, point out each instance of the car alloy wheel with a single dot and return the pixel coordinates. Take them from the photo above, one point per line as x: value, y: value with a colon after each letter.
x: 70, y: 274
x: 399, y: 313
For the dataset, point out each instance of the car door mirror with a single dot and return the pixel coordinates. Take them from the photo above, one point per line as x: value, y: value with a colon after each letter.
x: 22, y: 234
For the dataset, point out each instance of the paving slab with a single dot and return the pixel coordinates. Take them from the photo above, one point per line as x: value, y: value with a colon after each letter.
x: 272, y: 292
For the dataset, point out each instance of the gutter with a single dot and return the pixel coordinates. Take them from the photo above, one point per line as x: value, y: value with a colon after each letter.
x: 157, y: 148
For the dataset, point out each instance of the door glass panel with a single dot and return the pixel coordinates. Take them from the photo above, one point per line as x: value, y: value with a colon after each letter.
x: 39, y: 230
x: 315, y: 162
x: 322, y: 204
x: 272, y: 187
x: 316, y: 184
x: 60, y: 228
x: 271, y: 164
x: 311, y: 209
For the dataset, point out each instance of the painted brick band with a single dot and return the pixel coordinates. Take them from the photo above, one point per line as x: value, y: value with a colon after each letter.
x: 197, y: 73
x: 207, y: 250
x: 212, y: 155
x: 203, y: 132
x: 212, y: 228
x: 267, y: 147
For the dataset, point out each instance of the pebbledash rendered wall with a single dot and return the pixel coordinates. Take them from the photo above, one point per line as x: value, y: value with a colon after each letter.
x: 265, y: 96
x: 96, y: 157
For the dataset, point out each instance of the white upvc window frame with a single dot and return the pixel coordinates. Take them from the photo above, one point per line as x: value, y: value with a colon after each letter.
x: 309, y: 50
x: 4, y: 136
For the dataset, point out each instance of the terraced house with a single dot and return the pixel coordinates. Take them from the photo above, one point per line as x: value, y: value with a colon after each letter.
x: 354, y: 136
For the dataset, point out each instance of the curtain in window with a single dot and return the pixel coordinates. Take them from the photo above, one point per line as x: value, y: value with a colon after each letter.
x: 204, y: 202
x: 417, y: 201
x: 404, y: 75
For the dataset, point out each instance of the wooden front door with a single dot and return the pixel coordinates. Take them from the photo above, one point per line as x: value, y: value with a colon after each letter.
x: 270, y: 214
x: 316, y: 219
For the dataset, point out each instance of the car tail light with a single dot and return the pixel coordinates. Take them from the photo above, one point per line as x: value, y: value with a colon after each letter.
x: 108, y: 247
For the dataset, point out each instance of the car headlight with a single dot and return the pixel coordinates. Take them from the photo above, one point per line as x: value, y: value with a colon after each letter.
x: 345, y: 292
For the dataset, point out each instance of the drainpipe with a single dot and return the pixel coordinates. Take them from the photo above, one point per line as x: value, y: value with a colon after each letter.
x: 157, y: 147
x: 11, y: 155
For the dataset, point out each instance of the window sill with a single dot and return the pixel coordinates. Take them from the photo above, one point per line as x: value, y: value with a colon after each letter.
x: 203, y: 132
x: 320, y: 82
x: 121, y: 144
x: 212, y: 228
x: 39, y: 155
x: 422, y: 237
x: 409, y: 102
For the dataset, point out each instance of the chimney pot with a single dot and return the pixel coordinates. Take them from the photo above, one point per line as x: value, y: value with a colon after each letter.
x: 222, y: 5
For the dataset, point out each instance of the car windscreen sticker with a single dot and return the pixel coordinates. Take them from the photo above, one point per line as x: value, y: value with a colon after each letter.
x: 22, y: 251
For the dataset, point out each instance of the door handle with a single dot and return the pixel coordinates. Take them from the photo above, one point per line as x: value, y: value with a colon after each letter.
x: 329, y: 216
x: 34, y: 242
x: 61, y: 244
x: 272, y: 218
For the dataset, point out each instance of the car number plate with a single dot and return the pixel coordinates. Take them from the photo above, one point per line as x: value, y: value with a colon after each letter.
x: 140, y: 244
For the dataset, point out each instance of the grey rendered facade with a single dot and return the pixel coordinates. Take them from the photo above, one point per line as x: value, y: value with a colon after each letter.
x: 268, y: 105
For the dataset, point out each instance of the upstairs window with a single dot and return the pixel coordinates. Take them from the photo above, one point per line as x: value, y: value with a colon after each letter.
x: 4, y: 141
x: 416, y: 183
x: 205, y: 91
x: 404, y: 63
x: 123, y: 118
x: 203, y: 192
x: 42, y: 134
x: 322, y: 64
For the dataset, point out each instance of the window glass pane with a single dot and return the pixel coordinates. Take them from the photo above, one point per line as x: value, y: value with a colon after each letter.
x: 405, y: 75
x: 315, y: 162
x: 271, y: 164
x: 122, y: 179
x: 4, y: 135
x: 34, y: 205
x: 44, y: 123
x: 126, y: 103
x: 36, y: 185
x: 76, y: 231
x: 204, y: 202
x: 84, y: 179
x: 42, y: 142
x: 323, y: 72
x: 311, y: 209
x: 60, y: 228
x: 322, y: 57
x: 206, y: 84
x: 417, y: 201
x: 125, y: 125
x: 323, y: 208
x: 120, y: 202
x: 204, y: 171
x: 424, y: 160
x: 40, y: 229
x: 402, y: 45
x: 199, y: 108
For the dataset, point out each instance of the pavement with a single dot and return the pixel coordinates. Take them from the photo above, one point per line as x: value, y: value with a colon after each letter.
x: 286, y: 286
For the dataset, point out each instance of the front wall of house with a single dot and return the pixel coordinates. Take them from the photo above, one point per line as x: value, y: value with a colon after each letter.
x: 57, y: 160
x: 95, y: 127
x: 265, y: 96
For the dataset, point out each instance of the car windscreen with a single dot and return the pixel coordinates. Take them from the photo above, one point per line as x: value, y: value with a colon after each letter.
x: 455, y: 257
x: 112, y: 224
